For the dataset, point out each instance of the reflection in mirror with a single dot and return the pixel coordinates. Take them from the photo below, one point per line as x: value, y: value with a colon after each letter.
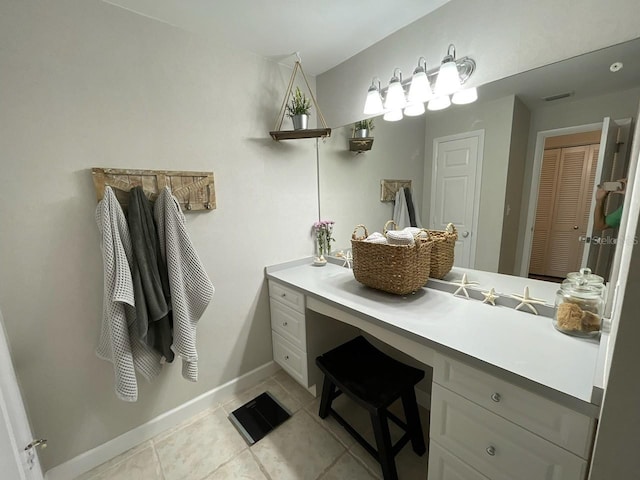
x: 515, y: 172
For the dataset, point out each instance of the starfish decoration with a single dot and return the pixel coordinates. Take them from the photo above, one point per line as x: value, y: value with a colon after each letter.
x: 462, y: 286
x: 528, y: 301
x: 490, y: 297
x: 348, y: 258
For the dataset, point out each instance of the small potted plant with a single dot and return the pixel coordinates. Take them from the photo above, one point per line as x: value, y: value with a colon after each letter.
x: 363, y: 128
x: 298, y: 109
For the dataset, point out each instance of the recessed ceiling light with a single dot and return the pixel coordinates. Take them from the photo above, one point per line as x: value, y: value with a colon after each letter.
x: 616, y: 67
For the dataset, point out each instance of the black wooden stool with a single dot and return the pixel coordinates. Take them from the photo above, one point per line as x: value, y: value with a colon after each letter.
x: 374, y: 381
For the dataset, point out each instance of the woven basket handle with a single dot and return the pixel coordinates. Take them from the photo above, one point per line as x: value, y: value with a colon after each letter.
x: 418, y: 236
x: 451, y: 228
x: 385, y: 229
x: 355, y: 237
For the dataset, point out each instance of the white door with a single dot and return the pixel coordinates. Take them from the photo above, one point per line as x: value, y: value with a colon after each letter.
x: 455, y: 190
x: 15, y: 433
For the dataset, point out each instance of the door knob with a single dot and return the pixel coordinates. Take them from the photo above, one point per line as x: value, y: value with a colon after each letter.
x: 465, y: 234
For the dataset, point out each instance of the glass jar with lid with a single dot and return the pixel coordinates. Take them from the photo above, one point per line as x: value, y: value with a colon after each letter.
x: 579, y: 308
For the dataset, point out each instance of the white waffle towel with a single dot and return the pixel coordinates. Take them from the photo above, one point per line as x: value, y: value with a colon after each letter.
x: 376, y: 237
x: 400, y: 237
x: 191, y: 289
x: 118, y: 311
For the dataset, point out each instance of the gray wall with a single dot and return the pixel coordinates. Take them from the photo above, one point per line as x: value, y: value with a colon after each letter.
x: 513, y: 194
x: 616, y: 105
x: 87, y: 84
x: 504, y: 38
x: 350, y: 182
x: 495, y: 118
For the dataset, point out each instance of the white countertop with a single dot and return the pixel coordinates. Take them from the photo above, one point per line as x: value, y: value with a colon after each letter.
x: 521, y: 343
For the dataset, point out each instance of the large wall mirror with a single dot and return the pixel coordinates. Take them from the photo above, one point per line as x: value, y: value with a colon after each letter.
x: 516, y: 171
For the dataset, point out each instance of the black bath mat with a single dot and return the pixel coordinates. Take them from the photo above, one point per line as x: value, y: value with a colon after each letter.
x: 258, y: 417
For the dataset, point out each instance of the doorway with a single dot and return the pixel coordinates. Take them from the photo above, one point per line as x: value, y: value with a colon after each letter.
x: 566, y: 182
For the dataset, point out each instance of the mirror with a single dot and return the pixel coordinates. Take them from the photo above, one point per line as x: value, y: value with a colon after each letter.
x: 506, y: 130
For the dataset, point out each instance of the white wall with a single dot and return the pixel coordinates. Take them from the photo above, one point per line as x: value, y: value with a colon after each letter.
x: 495, y: 117
x: 86, y: 84
x: 504, y: 38
x: 350, y: 182
x: 617, y: 105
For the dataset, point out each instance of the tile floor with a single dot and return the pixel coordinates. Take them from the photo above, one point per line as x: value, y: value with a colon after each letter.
x: 305, y: 447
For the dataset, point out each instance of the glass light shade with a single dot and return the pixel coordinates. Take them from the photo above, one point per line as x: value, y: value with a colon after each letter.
x: 468, y: 95
x: 439, y: 103
x: 448, y: 80
x: 420, y: 89
x: 395, y: 95
x: 393, y: 115
x: 373, y: 104
x: 414, y: 109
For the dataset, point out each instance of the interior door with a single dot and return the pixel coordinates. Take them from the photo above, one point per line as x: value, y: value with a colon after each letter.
x: 15, y: 433
x: 599, y: 249
x: 455, y: 190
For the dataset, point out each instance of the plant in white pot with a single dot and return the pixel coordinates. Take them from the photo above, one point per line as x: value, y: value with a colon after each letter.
x: 362, y: 129
x: 298, y: 110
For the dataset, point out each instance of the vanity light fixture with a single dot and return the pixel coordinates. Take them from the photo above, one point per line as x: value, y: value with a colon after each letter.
x: 447, y: 79
x: 373, y: 104
x: 395, y: 93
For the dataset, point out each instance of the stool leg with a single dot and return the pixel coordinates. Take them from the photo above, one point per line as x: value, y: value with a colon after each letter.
x: 328, y: 390
x: 412, y: 416
x: 383, y: 442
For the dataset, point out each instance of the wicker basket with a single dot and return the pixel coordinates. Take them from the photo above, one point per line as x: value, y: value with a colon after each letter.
x: 399, y: 269
x: 444, y: 243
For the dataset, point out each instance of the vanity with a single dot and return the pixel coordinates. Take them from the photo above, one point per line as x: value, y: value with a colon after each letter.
x: 511, y: 397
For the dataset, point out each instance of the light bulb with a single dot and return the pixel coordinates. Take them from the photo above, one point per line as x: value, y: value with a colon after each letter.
x: 393, y: 115
x: 448, y: 80
x: 439, y: 103
x: 373, y: 104
x: 468, y: 95
x: 414, y: 109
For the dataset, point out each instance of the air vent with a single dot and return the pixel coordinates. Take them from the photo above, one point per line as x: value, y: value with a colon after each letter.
x: 558, y: 96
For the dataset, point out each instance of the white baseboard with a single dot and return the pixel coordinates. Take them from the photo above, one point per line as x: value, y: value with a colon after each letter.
x: 100, y: 454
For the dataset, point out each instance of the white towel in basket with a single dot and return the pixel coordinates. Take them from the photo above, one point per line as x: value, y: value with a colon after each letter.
x: 400, y: 237
x: 376, y: 237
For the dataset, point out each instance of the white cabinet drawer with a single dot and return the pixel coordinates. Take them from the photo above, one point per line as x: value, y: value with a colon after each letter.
x: 288, y: 323
x: 289, y: 297
x: 496, y: 447
x: 555, y: 422
x: 446, y: 466
x: 291, y: 359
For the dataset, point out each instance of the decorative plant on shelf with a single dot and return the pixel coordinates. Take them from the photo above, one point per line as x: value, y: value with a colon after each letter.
x: 298, y: 109
x: 363, y: 128
x: 323, y: 230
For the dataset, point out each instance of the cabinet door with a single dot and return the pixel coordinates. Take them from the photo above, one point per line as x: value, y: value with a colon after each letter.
x: 497, y: 448
x: 446, y: 466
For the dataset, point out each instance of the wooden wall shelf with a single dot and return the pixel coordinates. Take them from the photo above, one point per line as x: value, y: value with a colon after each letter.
x: 194, y: 190
x: 360, y: 145
x: 296, y: 134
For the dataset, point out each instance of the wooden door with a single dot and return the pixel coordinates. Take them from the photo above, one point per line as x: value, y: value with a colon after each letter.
x: 454, y: 192
x: 562, y: 213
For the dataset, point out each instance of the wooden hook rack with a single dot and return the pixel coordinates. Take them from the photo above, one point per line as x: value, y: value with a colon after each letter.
x: 389, y: 188
x: 194, y: 190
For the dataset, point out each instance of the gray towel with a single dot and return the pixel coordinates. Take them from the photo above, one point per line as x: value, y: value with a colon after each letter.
x: 150, y: 279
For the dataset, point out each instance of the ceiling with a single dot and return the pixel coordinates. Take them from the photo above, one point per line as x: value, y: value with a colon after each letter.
x: 325, y: 33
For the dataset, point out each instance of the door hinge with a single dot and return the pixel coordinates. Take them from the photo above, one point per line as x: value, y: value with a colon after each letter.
x: 618, y: 145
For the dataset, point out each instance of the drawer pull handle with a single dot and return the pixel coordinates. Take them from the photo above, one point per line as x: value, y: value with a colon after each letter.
x: 491, y: 450
x: 496, y: 397
x: 284, y: 324
x: 286, y: 357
